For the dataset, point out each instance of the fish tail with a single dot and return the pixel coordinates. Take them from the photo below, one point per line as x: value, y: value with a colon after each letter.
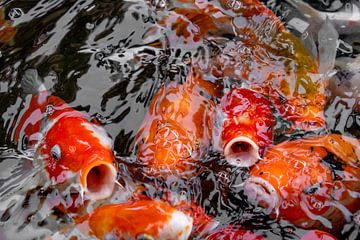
x: 31, y: 82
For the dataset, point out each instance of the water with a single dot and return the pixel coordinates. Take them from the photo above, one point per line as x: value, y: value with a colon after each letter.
x: 108, y: 59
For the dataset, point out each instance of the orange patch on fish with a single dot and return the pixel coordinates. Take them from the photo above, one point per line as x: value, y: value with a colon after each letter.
x: 309, y: 181
x: 150, y: 218
x: 177, y: 127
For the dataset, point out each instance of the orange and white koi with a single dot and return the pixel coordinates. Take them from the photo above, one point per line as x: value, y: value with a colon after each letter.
x: 69, y: 147
x: 142, y: 219
x: 246, y: 121
x: 312, y: 182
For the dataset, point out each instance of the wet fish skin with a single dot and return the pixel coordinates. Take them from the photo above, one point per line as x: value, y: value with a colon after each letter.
x: 311, y: 182
x: 246, y: 127
x: 263, y: 55
x: 73, y: 151
x: 141, y: 219
x: 177, y: 127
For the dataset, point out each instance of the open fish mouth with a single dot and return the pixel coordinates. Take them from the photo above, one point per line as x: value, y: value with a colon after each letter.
x: 242, y: 152
x: 261, y: 193
x: 99, y: 180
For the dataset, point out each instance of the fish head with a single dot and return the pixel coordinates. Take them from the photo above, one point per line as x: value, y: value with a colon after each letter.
x: 291, y: 181
x: 247, y: 126
x: 74, y: 149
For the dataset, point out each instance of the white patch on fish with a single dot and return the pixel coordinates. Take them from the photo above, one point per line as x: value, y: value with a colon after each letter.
x: 99, y: 133
x: 178, y: 227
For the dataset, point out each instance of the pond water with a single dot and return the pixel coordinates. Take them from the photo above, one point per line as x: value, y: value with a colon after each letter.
x: 109, y: 58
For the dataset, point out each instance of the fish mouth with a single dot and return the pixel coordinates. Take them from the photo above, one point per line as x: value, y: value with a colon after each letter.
x: 241, y: 152
x: 98, y: 180
x: 261, y: 193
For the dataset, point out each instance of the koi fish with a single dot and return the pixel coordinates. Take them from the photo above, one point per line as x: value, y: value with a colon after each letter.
x: 233, y: 233
x: 312, y: 182
x: 246, y: 121
x: 7, y: 31
x: 70, y: 148
x: 264, y: 55
x: 177, y: 127
x: 142, y: 219
x: 318, y: 235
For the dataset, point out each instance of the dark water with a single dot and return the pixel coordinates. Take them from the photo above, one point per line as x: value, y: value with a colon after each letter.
x: 99, y: 56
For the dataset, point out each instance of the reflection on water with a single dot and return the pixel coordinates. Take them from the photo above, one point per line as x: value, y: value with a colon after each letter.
x: 109, y: 58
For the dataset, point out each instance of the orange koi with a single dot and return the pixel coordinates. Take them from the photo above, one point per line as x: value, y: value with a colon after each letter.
x: 265, y: 55
x: 177, y: 127
x: 69, y: 147
x: 312, y: 182
x: 246, y: 121
x: 142, y: 219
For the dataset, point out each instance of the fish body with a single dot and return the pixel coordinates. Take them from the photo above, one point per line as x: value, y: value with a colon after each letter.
x: 177, y: 127
x: 246, y: 126
x: 311, y: 182
x: 142, y: 219
x: 262, y: 54
x: 67, y: 145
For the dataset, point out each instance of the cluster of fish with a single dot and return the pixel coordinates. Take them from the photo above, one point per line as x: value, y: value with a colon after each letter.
x: 312, y: 182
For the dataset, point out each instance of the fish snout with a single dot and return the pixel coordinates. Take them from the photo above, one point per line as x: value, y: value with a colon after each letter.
x: 242, y: 152
x: 261, y: 193
x: 98, y: 179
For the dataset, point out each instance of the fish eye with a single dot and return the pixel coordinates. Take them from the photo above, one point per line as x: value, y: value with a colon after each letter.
x: 55, y: 152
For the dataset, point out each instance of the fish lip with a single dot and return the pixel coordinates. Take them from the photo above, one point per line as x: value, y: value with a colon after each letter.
x: 102, y: 187
x: 233, y: 158
x: 255, y: 187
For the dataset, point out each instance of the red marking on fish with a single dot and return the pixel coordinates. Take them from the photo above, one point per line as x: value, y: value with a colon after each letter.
x: 246, y: 127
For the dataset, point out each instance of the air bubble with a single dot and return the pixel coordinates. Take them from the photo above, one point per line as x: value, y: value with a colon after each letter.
x: 99, y: 56
x: 15, y: 13
x: 159, y: 3
x: 234, y: 5
x: 90, y: 26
